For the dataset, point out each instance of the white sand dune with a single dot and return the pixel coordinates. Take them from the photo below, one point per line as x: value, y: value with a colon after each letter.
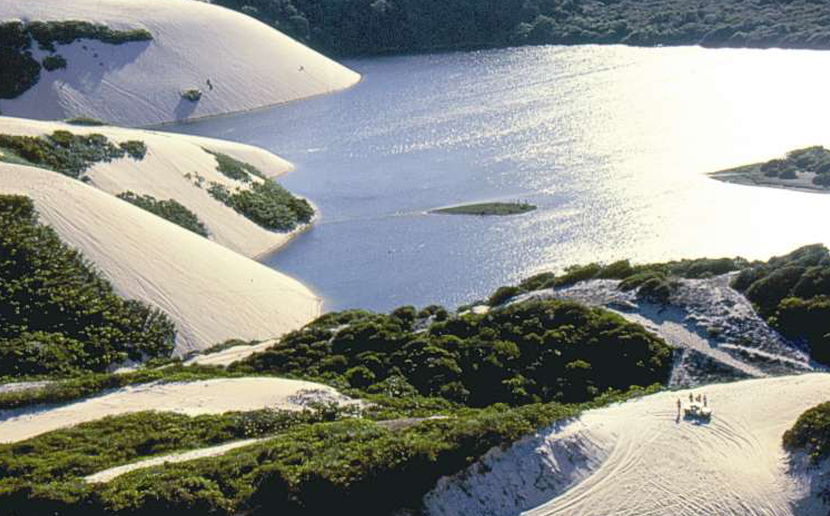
x: 172, y: 458
x: 227, y: 356
x: 248, y: 63
x: 640, y: 458
x: 195, y: 398
x: 163, y: 174
x: 211, y: 293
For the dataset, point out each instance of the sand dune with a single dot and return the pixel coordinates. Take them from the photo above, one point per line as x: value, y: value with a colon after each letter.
x: 249, y: 64
x: 640, y: 458
x: 210, y: 292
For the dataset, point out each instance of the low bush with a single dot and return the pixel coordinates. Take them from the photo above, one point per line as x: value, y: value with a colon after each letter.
x: 54, y: 62
x: 170, y: 210
x: 65, y: 152
x: 233, y: 168
x: 811, y: 433
x: 791, y: 292
x: 135, y: 149
x: 85, y: 120
x: 526, y: 352
x: 267, y: 204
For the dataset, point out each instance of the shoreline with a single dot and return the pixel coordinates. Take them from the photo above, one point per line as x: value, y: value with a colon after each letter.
x: 749, y: 175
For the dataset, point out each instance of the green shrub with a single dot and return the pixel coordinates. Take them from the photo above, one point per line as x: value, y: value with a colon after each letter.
x: 62, y: 151
x: 811, y: 433
x: 170, y: 210
x: 233, y: 168
x: 519, y: 354
x: 57, y: 314
x: 267, y: 204
x: 85, y: 120
x: 55, y: 62
x: 135, y: 149
x: 193, y: 94
x: 502, y: 295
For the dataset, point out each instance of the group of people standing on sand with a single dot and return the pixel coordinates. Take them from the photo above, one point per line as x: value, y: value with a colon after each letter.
x: 692, y: 399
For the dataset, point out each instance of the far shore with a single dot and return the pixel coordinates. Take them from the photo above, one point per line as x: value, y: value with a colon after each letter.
x: 751, y: 175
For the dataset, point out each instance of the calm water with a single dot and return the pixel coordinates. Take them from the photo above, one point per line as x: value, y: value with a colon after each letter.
x: 611, y: 143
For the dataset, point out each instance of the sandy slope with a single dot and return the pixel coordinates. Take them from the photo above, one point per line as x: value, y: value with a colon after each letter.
x: 639, y: 458
x: 226, y: 356
x: 205, y: 397
x: 248, y: 63
x: 211, y: 451
x: 211, y: 292
x: 162, y: 174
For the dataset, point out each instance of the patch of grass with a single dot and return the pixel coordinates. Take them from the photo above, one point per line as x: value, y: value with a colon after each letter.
x: 58, y: 315
x: 488, y: 208
x: 170, y: 210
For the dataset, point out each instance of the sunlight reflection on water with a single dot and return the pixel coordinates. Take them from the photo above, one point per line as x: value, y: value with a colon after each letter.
x: 612, y: 143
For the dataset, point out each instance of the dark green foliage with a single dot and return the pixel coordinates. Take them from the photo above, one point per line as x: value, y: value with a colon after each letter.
x: 62, y: 151
x: 792, y: 293
x: 57, y: 314
x: 814, y: 160
x: 266, y: 203
x: 811, y: 433
x: 488, y: 208
x: 95, y: 446
x: 233, y: 168
x: 170, y: 209
x: 526, y: 352
x: 85, y: 120
x: 656, y: 281
x: 503, y: 294
x: 193, y: 95
x: 55, y: 62
x: 20, y: 71
x: 135, y: 149
x: 360, y: 27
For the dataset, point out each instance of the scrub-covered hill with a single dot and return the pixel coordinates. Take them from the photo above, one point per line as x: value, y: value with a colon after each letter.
x: 140, y: 62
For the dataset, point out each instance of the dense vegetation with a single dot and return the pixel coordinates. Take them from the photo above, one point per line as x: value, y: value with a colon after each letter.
x: 233, y: 168
x: 793, y: 293
x: 357, y: 466
x: 170, y: 209
x: 525, y: 353
x: 21, y: 71
x: 57, y: 314
x: 488, y: 208
x: 655, y: 281
x: 266, y: 203
x: 359, y: 27
x: 811, y: 433
x: 813, y: 160
x: 65, y: 152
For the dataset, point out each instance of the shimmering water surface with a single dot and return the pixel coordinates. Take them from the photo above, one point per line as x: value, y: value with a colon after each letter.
x: 612, y: 143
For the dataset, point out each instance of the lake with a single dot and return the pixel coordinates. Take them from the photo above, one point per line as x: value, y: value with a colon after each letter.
x: 611, y: 143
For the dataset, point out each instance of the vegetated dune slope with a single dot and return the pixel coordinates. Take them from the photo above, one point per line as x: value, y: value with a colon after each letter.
x: 169, y: 171
x: 248, y: 63
x: 210, y: 292
x: 640, y: 458
x: 204, y: 397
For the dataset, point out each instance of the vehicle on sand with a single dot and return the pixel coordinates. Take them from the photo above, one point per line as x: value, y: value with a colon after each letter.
x: 697, y: 411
